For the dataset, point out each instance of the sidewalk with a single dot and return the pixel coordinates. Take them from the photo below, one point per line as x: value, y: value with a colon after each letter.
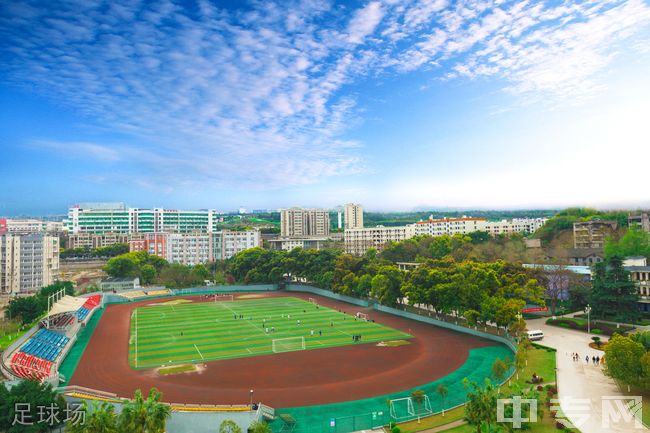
x: 583, y: 383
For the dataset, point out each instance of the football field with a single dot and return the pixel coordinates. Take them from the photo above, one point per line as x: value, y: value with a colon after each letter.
x: 207, y: 331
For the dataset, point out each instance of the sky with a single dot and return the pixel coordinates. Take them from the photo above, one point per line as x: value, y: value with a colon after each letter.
x: 394, y: 104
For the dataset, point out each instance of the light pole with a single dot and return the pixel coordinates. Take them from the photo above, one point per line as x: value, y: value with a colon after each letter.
x: 251, y: 405
x: 588, y: 311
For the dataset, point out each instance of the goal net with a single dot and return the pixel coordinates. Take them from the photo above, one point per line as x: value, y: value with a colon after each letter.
x: 362, y: 316
x: 405, y: 408
x: 313, y: 301
x: 224, y: 297
x: 288, y: 344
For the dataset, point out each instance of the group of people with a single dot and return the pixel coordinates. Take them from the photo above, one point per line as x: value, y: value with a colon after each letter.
x: 356, y: 337
x: 595, y: 360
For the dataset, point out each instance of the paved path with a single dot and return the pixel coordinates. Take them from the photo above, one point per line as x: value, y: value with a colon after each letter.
x: 581, y: 380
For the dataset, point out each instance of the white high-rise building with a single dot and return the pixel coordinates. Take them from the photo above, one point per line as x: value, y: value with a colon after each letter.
x: 358, y: 241
x: 297, y: 222
x: 28, y: 262
x: 353, y: 216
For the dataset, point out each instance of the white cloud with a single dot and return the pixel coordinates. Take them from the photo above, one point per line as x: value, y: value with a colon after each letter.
x: 364, y: 22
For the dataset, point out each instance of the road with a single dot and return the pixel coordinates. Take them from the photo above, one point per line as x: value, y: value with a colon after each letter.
x: 583, y: 384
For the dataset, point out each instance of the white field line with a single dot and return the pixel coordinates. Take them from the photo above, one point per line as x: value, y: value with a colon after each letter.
x: 197, y: 349
x: 136, y: 338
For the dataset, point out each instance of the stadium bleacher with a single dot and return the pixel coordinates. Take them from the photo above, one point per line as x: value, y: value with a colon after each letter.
x: 36, y: 356
x: 88, y: 306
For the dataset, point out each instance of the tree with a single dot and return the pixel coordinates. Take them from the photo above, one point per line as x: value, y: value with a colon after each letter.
x: 142, y: 415
x: 147, y: 274
x: 635, y: 242
x: 643, y: 338
x: 229, y: 426
x: 260, y: 427
x: 102, y: 419
x: 613, y: 291
x: 481, y: 405
x: 28, y: 395
x: 557, y: 278
x: 125, y: 265
x: 442, y: 391
x: 623, y: 359
x: 499, y: 369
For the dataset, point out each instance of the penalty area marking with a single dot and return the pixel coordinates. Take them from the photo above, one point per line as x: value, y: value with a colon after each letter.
x: 197, y: 349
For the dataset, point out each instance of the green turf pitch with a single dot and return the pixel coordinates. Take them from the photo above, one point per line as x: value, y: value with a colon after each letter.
x: 211, y: 332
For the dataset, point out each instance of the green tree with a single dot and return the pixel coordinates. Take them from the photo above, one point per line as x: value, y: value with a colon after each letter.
x: 28, y: 395
x: 635, y: 242
x: 499, y: 369
x: 613, y: 291
x: 643, y: 338
x: 125, y: 265
x: 481, y: 405
x: 229, y: 426
x: 142, y: 415
x: 147, y: 274
x: 260, y: 427
x: 101, y: 419
x: 442, y: 391
x: 623, y: 359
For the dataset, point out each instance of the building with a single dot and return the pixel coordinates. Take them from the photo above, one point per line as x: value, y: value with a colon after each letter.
x: 3, y: 226
x: 188, y: 249
x: 449, y: 226
x: 353, y: 216
x: 358, y: 241
x: 228, y: 243
x: 288, y: 244
x: 30, y: 225
x: 195, y: 248
x: 640, y: 219
x: 466, y: 225
x: 640, y: 274
x: 92, y: 240
x: 153, y: 243
x: 118, y: 284
x: 584, y: 256
x: 592, y: 234
x: 300, y: 223
x: 515, y: 225
x: 101, y: 218
x: 28, y: 262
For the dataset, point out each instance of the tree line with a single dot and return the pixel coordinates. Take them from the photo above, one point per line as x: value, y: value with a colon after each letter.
x: 29, y: 308
x: 483, y: 292
x: 100, y: 252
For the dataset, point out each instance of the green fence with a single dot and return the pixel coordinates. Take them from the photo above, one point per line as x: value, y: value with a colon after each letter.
x: 373, y: 412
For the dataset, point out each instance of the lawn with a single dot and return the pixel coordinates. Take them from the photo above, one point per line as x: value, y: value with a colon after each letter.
x: 540, y: 361
x: 163, y: 335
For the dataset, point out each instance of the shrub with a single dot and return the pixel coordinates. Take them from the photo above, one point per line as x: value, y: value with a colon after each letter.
x: 540, y: 388
x: 396, y: 430
x: 596, y: 331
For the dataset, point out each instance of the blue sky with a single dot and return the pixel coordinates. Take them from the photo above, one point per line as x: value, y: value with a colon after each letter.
x: 392, y: 104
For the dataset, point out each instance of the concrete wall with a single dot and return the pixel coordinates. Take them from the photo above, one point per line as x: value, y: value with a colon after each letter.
x: 327, y: 294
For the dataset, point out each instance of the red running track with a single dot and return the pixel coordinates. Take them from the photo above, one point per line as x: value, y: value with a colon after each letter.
x: 304, y: 378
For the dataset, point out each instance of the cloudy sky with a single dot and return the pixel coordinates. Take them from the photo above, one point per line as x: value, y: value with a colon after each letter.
x: 394, y: 104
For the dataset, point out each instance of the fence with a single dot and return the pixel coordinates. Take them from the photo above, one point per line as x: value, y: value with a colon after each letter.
x: 327, y: 294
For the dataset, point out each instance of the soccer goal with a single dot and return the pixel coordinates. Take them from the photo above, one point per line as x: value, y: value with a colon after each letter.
x: 313, y: 301
x: 363, y: 316
x: 224, y: 297
x: 288, y: 344
x: 405, y: 408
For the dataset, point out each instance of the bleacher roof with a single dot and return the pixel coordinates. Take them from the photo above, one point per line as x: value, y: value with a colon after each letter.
x: 67, y: 304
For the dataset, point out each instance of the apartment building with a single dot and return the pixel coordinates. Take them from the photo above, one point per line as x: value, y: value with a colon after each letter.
x: 3, y: 226
x: 640, y: 219
x: 640, y: 274
x: 515, y: 225
x: 592, y: 234
x: 449, y: 226
x: 358, y: 241
x: 31, y: 225
x: 353, y: 216
x: 300, y: 223
x: 101, y: 218
x: 28, y: 262
x: 288, y: 244
x: 92, y: 240
x: 195, y: 248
